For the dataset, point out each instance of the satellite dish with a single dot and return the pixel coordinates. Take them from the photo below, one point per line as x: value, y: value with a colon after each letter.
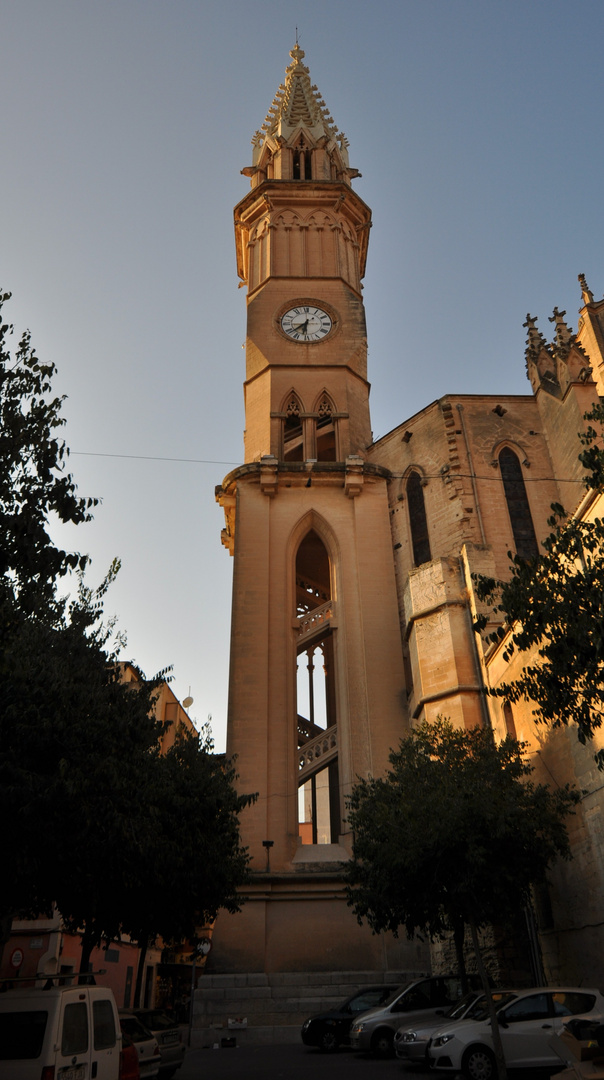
x: 188, y: 702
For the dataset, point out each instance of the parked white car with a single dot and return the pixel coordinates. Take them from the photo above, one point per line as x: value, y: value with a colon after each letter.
x: 69, y: 1032
x: 411, y: 1042
x: 527, y: 1020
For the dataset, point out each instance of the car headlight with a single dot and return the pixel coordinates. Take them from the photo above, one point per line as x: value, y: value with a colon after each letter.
x: 357, y: 1028
x: 442, y: 1039
x: 305, y: 1025
x: 408, y: 1036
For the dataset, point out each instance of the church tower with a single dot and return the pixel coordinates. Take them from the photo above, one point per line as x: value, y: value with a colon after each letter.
x: 317, y: 690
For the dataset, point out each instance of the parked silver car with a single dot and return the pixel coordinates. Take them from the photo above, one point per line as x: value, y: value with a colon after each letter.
x: 418, y: 1001
x: 527, y: 1021
x: 411, y: 1043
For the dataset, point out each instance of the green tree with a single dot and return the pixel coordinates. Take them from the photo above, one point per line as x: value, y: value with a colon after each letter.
x: 553, y: 610
x: 455, y: 834
x: 77, y: 748
x: 194, y: 863
x: 35, y: 485
x: 81, y: 774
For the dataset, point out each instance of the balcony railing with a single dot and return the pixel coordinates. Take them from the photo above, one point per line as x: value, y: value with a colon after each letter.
x: 317, y: 753
x: 316, y: 619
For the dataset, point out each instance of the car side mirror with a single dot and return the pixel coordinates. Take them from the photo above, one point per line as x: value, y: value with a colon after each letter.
x: 501, y: 1020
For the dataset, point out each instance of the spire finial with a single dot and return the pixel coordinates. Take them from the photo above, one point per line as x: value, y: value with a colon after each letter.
x: 586, y: 293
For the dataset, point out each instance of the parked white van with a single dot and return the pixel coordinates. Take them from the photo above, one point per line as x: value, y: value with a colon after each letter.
x: 63, y: 1033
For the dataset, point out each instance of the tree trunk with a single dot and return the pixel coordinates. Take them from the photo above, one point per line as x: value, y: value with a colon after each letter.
x: 143, y: 943
x: 6, y: 924
x: 459, y: 934
x: 88, y: 943
x: 495, y: 1032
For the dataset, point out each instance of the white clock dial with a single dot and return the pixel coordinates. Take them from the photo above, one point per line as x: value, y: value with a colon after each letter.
x: 306, y: 323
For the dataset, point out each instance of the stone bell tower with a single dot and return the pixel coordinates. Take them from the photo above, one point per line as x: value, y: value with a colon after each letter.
x: 317, y: 691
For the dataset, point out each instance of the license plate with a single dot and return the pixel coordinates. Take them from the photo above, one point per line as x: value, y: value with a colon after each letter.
x: 73, y: 1072
x: 171, y: 1037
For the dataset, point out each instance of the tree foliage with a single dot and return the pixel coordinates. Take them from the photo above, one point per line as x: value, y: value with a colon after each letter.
x: 95, y: 820
x: 553, y: 607
x: 34, y: 481
x: 454, y: 835
x: 455, y: 831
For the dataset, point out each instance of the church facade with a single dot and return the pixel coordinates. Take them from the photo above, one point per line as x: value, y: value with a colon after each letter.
x: 353, y: 600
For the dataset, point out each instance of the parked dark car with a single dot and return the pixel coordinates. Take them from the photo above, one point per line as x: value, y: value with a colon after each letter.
x: 329, y: 1030
x: 169, y: 1038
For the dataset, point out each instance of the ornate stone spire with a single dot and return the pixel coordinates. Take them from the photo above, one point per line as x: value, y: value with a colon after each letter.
x: 535, y: 341
x: 586, y: 293
x: 563, y: 337
x: 297, y: 104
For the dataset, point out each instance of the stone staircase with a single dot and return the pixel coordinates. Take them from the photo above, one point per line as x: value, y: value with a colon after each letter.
x: 270, y: 1008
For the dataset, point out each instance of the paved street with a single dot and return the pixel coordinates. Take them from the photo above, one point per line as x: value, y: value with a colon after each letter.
x: 290, y: 1062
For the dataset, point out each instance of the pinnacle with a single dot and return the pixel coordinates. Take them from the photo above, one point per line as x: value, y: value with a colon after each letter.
x: 563, y: 336
x: 535, y: 340
x: 298, y: 103
x: 586, y: 293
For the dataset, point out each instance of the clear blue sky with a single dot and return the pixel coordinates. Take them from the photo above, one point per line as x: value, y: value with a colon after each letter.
x: 477, y: 126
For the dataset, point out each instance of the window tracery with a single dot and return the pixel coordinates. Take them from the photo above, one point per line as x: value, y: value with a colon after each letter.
x: 519, y: 509
x: 417, y: 519
x: 325, y: 431
x: 293, y: 434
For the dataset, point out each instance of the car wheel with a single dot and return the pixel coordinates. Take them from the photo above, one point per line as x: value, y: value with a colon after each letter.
x: 382, y: 1043
x: 329, y: 1041
x: 479, y: 1063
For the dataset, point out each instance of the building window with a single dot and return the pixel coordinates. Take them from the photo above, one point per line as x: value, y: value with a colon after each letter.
x: 519, y: 510
x: 325, y: 431
x: 302, y: 162
x: 318, y: 785
x: 508, y: 716
x: 418, y: 520
x: 293, y: 434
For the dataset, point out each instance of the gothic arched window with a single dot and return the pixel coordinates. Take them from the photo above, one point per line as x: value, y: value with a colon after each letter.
x: 318, y: 783
x: 293, y: 434
x: 521, y: 521
x: 325, y: 449
x: 418, y: 520
x: 302, y: 162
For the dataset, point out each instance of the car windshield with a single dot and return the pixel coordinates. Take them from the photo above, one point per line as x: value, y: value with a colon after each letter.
x: 396, y: 994
x: 134, y: 1028
x: 456, y: 1011
x: 480, y: 1011
x: 157, y: 1021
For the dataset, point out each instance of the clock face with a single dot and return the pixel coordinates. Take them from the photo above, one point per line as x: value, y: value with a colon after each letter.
x: 306, y: 323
